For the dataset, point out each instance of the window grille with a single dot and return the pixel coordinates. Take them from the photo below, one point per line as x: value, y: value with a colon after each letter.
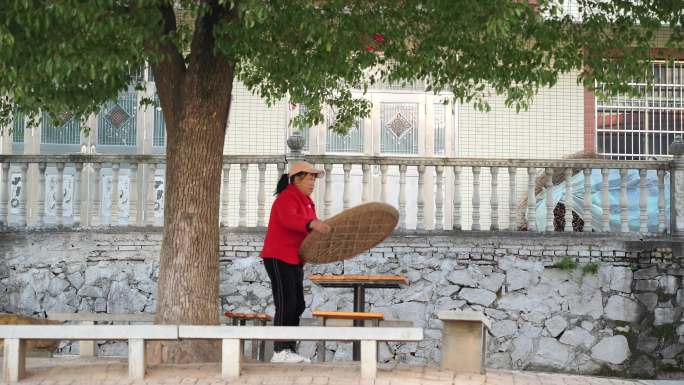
x: 117, y: 121
x: 399, y: 132
x: 642, y: 127
x: 67, y: 133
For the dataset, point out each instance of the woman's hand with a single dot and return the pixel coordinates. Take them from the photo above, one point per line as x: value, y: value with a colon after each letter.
x: 320, y: 226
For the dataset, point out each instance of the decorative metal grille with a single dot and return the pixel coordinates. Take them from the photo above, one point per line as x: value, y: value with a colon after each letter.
x: 159, y: 136
x: 117, y: 121
x: 351, y: 142
x: 642, y: 127
x: 399, y: 133
x: 137, y: 74
x: 67, y: 133
x: 439, y: 128
x: 18, y: 126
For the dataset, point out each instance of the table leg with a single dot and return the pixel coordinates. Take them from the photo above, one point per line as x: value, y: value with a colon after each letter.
x: 359, y: 306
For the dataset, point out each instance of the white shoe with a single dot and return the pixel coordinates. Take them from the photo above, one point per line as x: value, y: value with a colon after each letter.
x: 289, y: 357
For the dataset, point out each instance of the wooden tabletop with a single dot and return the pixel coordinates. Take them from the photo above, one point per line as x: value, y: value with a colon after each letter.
x: 350, y: 280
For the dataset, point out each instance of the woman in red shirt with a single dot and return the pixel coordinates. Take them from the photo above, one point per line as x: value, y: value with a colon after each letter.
x: 293, y: 216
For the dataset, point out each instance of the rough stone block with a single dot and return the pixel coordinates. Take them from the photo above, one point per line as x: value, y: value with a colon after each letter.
x: 614, y: 350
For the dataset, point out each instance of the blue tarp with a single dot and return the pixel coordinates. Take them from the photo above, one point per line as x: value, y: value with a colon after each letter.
x: 633, y: 199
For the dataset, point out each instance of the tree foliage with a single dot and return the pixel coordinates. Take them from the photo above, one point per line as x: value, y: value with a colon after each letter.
x: 70, y: 56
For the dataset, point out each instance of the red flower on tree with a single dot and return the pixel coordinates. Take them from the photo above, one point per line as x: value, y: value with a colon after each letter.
x: 379, y: 37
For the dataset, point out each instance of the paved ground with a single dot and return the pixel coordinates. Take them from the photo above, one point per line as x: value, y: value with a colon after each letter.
x: 112, y: 371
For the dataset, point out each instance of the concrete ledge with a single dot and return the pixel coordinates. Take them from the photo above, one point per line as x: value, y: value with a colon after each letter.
x: 90, y: 332
x: 301, y: 333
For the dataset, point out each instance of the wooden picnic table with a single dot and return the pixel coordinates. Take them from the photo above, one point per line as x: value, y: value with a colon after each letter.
x: 359, y: 282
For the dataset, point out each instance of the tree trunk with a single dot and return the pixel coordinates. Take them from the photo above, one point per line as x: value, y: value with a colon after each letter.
x: 187, y: 291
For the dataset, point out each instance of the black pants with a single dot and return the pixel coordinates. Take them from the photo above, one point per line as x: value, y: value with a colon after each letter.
x: 287, y: 284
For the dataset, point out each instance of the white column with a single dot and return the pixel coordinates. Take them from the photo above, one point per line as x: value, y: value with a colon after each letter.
x: 243, y: 195
x: 456, y: 215
x: 568, y: 200
x: 346, y: 199
x: 60, y: 194
x: 76, y: 197
x: 439, y: 200
x: 95, y: 205
x: 369, y: 357
x: 548, y: 184
x: 476, y: 198
x: 136, y: 358
x: 114, y: 212
x: 494, y: 198
x: 587, y: 215
x: 605, y: 204
x: 4, y: 195
x: 383, y: 183
x: 41, y: 194
x: 662, y: 227
x: 327, y: 199
x: 420, y: 220
x: 512, y: 201
x: 643, y: 202
x: 231, y: 358
x: 261, y: 195
x: 149, y: 212
x: 365, y: 193
x: 133, y: 211
x: 624, y: 212
x: 226, y: 195
x: 22, y: 195
x: 402, y: 196
x: 531, y: 200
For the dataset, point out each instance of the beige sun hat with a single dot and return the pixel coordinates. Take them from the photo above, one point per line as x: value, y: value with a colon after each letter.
x: 307, y: 167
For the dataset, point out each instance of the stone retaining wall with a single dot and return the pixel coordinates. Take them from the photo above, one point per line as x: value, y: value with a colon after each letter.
x: 575, y: 303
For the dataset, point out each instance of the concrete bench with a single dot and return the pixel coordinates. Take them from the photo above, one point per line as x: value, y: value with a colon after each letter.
x: 15, y: 336
x: 464, y: 341
x: 234, y: 336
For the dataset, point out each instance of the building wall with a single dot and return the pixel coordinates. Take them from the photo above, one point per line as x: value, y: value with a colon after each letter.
x: 617, y: 312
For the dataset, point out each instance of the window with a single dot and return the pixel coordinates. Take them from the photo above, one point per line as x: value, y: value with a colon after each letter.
x: 18, y: 125
x: 117, y: 121
x: 67, y: 133
x: 398, y: 125
x: 351, y: 142
x: 641, y: 127
x: 159, y: 136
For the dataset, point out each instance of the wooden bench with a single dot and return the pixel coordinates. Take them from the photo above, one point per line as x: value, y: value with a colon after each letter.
x: 15, y: 336
x: 233, y: 338
x: 258, y: 348
x: 375, y: 319
x: 464, y: 341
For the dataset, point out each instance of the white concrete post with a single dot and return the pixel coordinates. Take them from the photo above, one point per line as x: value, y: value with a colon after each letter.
x: 605, y: 204
x: 369, y: 351
x: 76, y: 197
x: 95, y: 211
x: 494, y: 199
x: 261, y: 195
x: 587, y: 215
x: 568, y: 200
x: 346, y: 199
x: 14, y: 368
x: 420, y: 220
x: 136, y: 358
x: 41, y: 194
x: 226, y: 195
x: 439, y: 199
x: 402, y: 195
x: 4, y: 195
x: 242, y: 213
x: 643, y: 202
x: 60, y: 194
x: 114, y: 211
x: 231, y: 358
x: 676, y: 149
x: 512, y: 201
x: 456, y: 215
x: 624, y: 207
x: 327, y: 199
x: 548, y: 183
x: 133, y: 211
x: 476, y: 198
x: 531, y: 200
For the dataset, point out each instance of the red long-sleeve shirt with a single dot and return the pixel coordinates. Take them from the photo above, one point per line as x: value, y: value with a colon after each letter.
x: 292, y: 210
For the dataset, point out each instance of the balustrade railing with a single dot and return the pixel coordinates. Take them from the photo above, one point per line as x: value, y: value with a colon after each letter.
x: 430, y: 193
